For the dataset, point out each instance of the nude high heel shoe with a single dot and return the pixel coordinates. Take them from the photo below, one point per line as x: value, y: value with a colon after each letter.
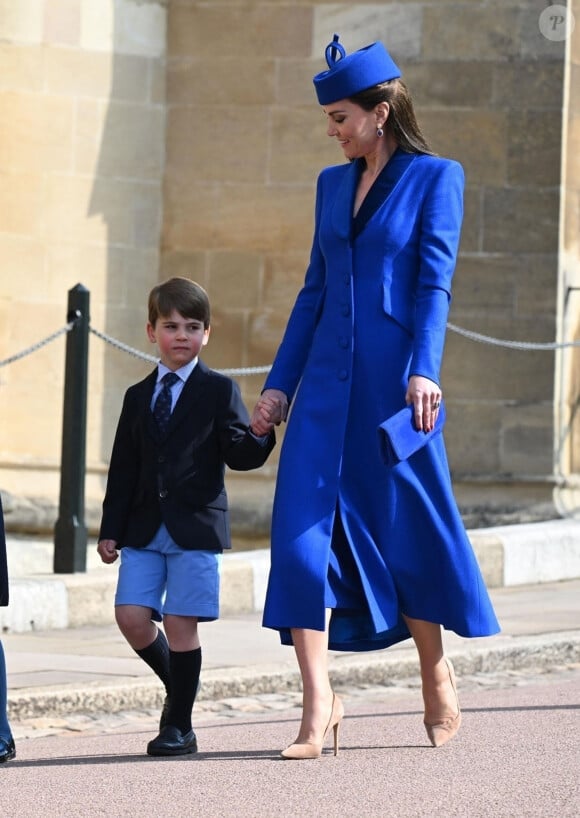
x: 312, y: 749
x: 440, y: 732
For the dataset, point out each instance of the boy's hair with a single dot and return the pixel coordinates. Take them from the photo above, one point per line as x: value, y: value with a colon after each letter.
x: 181, y: 294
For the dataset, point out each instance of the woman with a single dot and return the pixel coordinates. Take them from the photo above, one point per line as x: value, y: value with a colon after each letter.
x: 7, y: 749
x: 382, y: 548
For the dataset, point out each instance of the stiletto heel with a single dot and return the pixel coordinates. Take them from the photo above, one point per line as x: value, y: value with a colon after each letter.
x: 313, y: 749
x: 440, y: 732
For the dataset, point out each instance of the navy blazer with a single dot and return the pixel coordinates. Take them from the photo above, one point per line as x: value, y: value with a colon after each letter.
x: 178, y: 478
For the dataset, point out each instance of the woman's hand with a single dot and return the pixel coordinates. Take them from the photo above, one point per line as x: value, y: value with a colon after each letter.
x: 425, y: 395
x: 271, y: 409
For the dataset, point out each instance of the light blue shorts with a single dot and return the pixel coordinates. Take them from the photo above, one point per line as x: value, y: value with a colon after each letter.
x: 170, y: 580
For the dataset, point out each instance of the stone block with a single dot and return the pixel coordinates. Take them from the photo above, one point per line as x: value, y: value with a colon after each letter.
x: 199, y: 144
x: 520, y: 221
x: 21, y: 208
x: 471, y: 232
x: 191, y: 264
x: 294, y: 85
x: 40, y: 133
x: 22, y: 257
x: 505, y: 284
x: 398, y: 25
x: 436, y: 84
x: 302, y: 145
x: 21, y: 22
x: 267, y: 30
x: 472, y: 430
x: 228, y: 339
x: 189, y: 215
x: 490, y: 556
x: 530, y: 84
x: 21, y: 68
x: 234, y: 279
x: 527, y: 435
x: 470, y: 33
x: 94, y: 74
x: 483, y: 283
x: 476, y: 138
x: 221, y: 81
x: 124, y: 27
x: 488, y: 372
x: 132, y: 146
x: 62, y: 22
x: 534, y: 148
x: 237, y: 588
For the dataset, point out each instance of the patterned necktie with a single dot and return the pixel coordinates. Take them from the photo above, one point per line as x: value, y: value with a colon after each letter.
x: 162, y: 406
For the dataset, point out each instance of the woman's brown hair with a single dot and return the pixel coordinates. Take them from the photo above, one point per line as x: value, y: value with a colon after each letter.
x: 401, y: 121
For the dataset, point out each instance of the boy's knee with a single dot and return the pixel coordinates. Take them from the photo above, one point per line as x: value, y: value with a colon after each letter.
x: 132, y: 618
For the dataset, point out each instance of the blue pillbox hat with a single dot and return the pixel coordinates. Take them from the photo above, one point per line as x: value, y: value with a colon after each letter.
x: 347, y: 76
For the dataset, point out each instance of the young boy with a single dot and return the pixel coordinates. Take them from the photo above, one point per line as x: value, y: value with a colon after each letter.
x: 165, y: 505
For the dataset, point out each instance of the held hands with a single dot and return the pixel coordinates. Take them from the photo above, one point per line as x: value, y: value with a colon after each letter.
x: 270, y: 411
x: 425, y: 395
x: 107, y: 550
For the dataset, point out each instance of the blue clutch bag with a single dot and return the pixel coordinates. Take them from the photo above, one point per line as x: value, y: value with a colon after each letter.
x: 399, y: 439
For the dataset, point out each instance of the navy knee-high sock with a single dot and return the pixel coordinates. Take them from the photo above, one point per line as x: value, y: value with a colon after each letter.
x: 185, y: 669
x: 156, y: 655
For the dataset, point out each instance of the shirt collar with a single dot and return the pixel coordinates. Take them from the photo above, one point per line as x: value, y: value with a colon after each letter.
x: 182, y: 373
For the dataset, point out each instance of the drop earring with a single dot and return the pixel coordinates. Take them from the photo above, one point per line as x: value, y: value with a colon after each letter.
x: 380, y: 132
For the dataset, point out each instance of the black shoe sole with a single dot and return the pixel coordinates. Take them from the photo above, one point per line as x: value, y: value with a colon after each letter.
x: 178, y: 751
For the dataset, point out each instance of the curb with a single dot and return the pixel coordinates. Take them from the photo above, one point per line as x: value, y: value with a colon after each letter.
x: 541, y: 651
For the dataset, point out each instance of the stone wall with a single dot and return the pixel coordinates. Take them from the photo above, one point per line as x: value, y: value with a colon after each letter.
x: 149, y: 138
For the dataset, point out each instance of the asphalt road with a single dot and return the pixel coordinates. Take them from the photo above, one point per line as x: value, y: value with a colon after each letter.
x: 517, y: 754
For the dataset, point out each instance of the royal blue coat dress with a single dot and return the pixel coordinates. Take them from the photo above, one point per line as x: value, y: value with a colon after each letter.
x: 369, y: 541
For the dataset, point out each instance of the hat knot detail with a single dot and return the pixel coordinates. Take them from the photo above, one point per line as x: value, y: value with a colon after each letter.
x: 333, y: 50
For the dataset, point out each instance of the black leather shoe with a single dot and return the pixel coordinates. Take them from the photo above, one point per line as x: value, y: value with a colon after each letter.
x: 7, y: 750
x: 164, y: 713
x: 170, y: 742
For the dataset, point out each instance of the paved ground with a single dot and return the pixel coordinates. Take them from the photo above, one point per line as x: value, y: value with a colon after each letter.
x: 516, y: 755
x: 83, y: 707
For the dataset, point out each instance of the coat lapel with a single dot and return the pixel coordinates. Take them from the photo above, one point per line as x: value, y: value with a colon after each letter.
x: 344, y: 202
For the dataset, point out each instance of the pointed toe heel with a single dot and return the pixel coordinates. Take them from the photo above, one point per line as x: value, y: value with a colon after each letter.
x: 313, y: 749
x: 441, y: 731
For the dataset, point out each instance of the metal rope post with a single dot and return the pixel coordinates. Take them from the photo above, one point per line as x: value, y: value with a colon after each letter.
x: 70, y: 532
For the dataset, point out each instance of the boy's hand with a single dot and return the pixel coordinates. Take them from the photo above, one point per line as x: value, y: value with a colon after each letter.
x: 107, y: 550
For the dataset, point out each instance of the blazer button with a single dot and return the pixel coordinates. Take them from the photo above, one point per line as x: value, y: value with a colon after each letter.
x: 163, y: 494
x: 161, y: 458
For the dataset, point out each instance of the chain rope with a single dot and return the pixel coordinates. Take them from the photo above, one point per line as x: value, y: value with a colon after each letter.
x: 259, y: 370
x: 38, y: 345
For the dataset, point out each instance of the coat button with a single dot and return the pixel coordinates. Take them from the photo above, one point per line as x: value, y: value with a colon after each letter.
x: 343, y: 342
x: 342, y: 374
x: 163, y: 494
x: 345, y: 309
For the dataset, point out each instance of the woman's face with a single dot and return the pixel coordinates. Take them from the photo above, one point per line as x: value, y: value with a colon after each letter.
x: 354, y: 128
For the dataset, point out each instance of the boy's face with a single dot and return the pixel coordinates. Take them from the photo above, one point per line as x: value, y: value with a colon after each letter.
x: 178, y: 339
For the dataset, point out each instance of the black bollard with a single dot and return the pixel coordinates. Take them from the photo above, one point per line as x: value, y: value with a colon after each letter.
x: 70, y: 532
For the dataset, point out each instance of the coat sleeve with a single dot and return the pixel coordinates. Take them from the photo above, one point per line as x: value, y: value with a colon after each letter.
x: 293, y: 352
x: 441, y: 219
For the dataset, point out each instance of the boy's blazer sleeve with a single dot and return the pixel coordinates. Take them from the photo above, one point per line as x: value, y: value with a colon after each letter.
x: 441, y: 220
x: 122, y: 476
x: 241, y: 450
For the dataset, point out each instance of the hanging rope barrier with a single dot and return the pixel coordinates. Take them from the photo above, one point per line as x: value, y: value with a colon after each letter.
x: 259, y: 370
